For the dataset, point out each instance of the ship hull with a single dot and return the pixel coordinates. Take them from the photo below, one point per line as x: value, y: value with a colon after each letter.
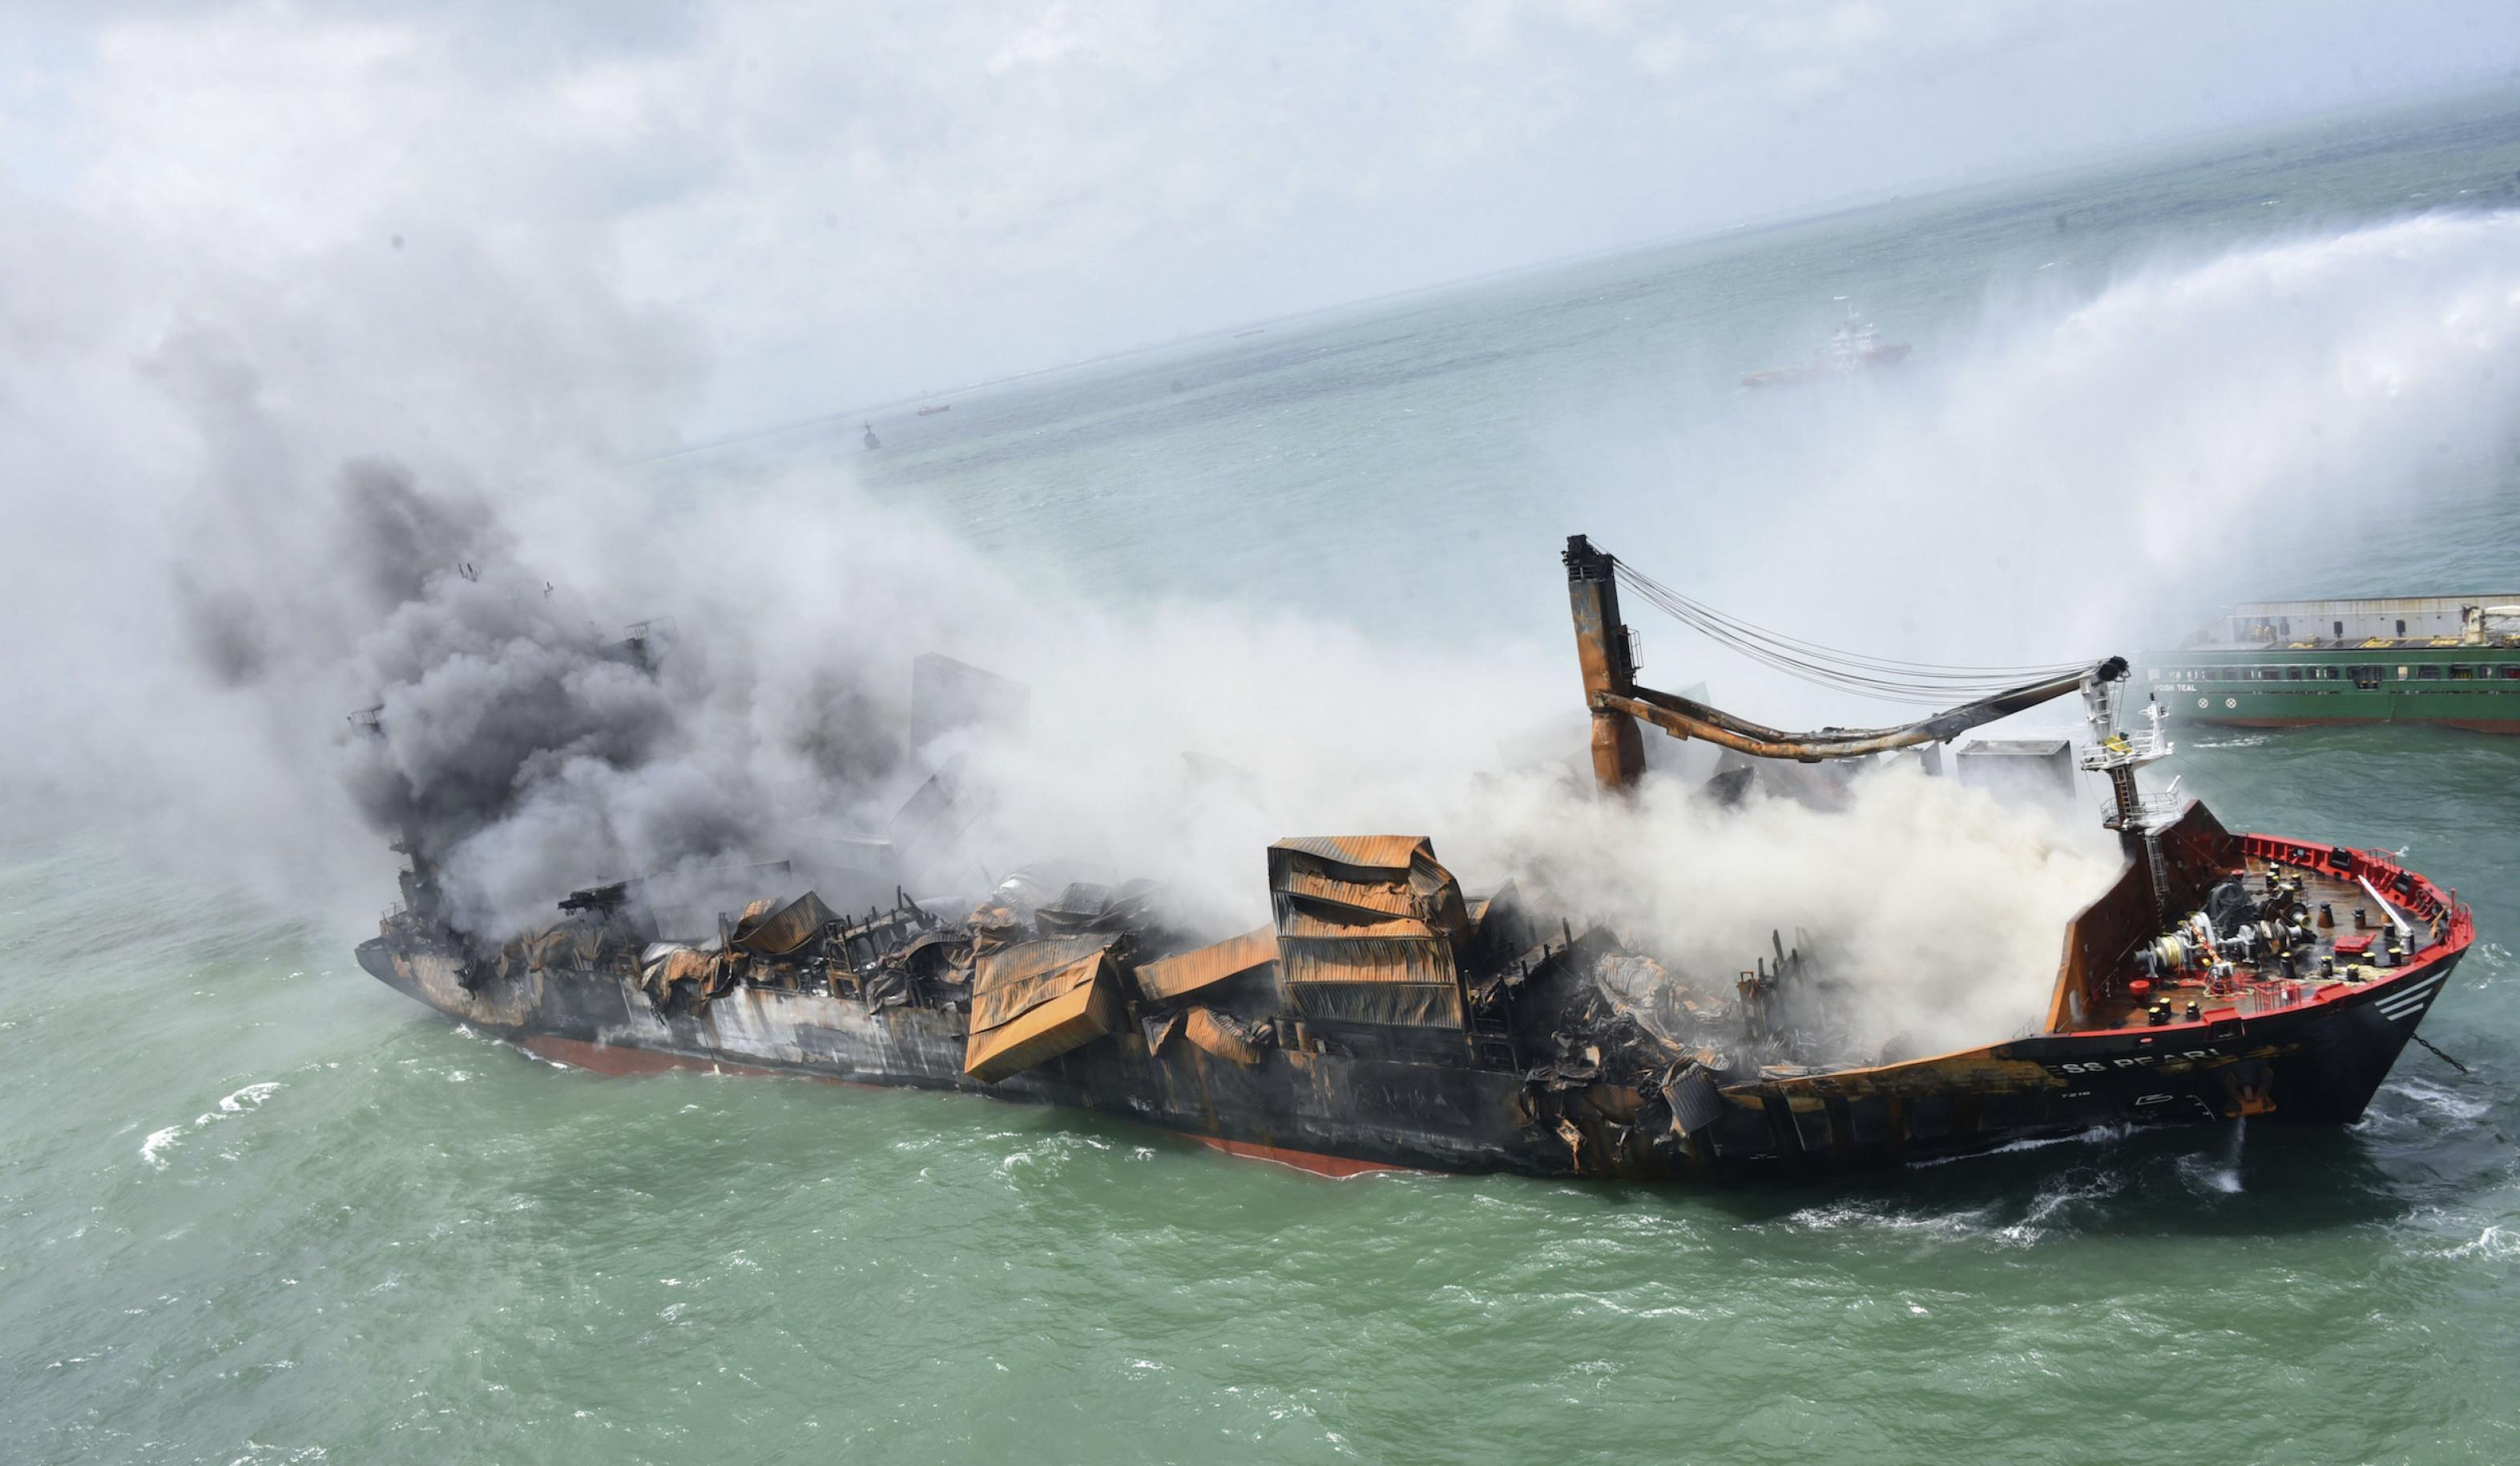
x: 1888, y: 355
x: 1311, y: 1107
x: 2503, y: 726
x: 2473, y: 688
x: 2319, y: 1063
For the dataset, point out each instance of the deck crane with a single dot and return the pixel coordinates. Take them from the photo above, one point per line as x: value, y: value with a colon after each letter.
x: 1619, y: 703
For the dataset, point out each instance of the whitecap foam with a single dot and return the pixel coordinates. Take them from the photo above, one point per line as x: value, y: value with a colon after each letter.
x: 2207, y: 1177
x: 2098, y: 1135
x: 2440, y: 1101
x: 251, y: 1096
x: 2492, y: 1242
x: 1973, y: 1221
x: 2052, y: 1200
x: 158, y: 1142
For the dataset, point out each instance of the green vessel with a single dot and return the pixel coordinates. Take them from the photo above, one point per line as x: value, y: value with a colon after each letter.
x: 2448, y: 659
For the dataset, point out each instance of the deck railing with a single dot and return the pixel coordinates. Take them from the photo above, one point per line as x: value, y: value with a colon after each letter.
x: 2274, y: 998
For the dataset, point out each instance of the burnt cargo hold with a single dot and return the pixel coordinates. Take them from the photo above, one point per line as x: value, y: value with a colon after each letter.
x: 1385, y: 1018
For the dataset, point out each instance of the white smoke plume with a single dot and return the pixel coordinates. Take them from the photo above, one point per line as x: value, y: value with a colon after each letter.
x: 2071, y: 473
x: 245, y: 514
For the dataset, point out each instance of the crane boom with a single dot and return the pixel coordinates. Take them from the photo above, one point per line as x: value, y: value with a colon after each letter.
x: 1618, y: 701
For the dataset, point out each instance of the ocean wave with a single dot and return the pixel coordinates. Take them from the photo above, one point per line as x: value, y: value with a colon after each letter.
x: 2492, y: 1242
x: 2038, y: 1217
x: 1966, y: 1223
x: 2098, y: 1135
x: 2049, y: 1203
x: 153, y: 1149
x: 2204, y: 1175
x: 2440, y: 1101
x: 251, y: 1096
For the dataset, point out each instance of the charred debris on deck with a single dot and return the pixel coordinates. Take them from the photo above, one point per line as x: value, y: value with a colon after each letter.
x: 1373, y: 951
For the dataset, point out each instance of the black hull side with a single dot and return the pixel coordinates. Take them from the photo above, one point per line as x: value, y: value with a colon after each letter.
x: 1369, y: 1113
x: 2314, y: 1064
x: 2319, y: 1063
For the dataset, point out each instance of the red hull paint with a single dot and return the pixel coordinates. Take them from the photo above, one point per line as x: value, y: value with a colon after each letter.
x: 1339, y: 1167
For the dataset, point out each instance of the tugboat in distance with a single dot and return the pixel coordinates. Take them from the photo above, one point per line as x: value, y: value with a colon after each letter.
x: 1854, y: 346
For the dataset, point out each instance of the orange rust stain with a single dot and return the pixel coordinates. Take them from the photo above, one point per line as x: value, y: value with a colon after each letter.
x: 1338, y: 1166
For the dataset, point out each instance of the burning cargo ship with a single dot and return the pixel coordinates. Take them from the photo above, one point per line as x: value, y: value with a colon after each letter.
x: 1384, y: 1018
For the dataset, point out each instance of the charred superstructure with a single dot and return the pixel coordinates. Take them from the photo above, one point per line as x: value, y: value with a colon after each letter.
x: 1383, y: 1017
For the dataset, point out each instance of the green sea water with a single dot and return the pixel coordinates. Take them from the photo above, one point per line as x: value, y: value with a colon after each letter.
x: 255, y: 1207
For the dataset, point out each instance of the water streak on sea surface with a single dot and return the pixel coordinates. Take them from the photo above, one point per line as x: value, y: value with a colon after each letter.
x: 256, y: 1208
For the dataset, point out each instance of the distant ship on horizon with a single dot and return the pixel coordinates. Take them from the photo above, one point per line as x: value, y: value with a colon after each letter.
x: 1854, y: 346
x: 2454, y: 660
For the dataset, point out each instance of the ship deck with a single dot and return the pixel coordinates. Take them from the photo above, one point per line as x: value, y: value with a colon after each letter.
x: 2340, y: 910
x: 2497, y: 649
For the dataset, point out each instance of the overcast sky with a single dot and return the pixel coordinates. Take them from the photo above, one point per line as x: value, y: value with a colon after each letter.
x: 838, y: 204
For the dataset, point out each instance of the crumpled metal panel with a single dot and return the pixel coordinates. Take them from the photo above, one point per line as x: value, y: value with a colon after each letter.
x: 678, y: 964
x: 1088, y: 908
x: 1694, y: 1102
x: 1205, y: 1030
x: 1189, y: 972
x: 583, y: 942
x: 1013, y: 980
x: 1366, y: 959
x: 1326, y: 877
x: 1403, y: 980
x: 1080, y: 1010
x: 1021, y: 959
x: 1397, y: 1004
x: 781, y: 932
x: 1372, y: 851
x: 1301, y: 926
x: 1361, y: 949
x: 1390, y: 898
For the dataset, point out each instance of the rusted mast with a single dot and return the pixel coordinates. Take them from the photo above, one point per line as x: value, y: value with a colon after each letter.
x: 1609, y: 664
x: 1618, y: 704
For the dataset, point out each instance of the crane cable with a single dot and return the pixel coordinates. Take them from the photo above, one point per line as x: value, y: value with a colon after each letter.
x: 1886, y: 678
